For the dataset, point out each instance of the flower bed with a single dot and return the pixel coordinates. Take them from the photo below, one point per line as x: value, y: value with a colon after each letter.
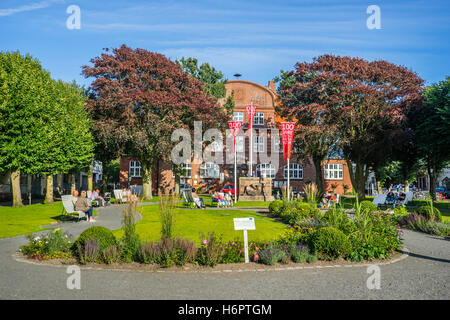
x: 313, y: 236
x: 371, y: 234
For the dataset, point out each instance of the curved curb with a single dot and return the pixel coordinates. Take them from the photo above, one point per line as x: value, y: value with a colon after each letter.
x: 404, y: 255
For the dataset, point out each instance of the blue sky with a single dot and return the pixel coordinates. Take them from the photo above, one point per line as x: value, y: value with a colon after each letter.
x: 256, y: 38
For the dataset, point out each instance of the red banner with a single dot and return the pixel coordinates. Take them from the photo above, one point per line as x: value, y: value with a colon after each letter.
x: 251, y: 110
x: 287, y: 134
x: 234, y: 126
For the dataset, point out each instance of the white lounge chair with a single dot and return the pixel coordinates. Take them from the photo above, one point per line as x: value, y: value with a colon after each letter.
x: 69, y: 209
x: 379, y: 199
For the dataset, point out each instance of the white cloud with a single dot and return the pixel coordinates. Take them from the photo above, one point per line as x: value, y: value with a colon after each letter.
x: 29, y: 7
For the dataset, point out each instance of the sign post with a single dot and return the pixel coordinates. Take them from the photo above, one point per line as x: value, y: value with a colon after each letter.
x: 287, y: 134
x: 235, y: 126
x: 244, y: 224
x: 251, y: 110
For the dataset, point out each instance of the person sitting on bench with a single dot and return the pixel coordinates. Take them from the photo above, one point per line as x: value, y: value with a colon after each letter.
x: 197, y: 200
x: 96, y: 197
x: 82, y: 205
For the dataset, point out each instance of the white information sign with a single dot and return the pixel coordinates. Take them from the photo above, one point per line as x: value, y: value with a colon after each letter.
x: 244, y: 224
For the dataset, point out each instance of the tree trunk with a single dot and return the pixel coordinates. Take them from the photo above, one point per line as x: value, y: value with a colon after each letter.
x: 16, y: 194
x: 319, y: 176
x: 177, y: 183
x: 90, y: 178
x: 406, y: 185
x: 72, y: 184
x: 379, y: 187
x: 105, y: 183
x: 59, y: 182
x: 432, y: 175
x: 49, y: 194
x: 358, y: 178
x: 146, y: 182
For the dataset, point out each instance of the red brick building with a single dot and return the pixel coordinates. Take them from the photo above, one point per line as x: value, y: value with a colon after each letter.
x: 267, y: 151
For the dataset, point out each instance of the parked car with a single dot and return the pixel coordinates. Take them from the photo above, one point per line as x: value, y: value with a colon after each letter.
x: 229, y: 187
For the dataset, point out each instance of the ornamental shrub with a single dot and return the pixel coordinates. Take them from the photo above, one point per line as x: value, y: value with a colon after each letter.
x: 307, y: 209
x: 111, y: 255
x: 271, y: 254
x: 149, y: 253
x: 289, y: 216
x: 367, y: 205
x: 330, y: 243
x: 300, y: 254
x: 338, y: 218
x: 105, y: 238
x: 211, y: 251
x: 400, y: 211
x: 430, y: 213
x: 275, y: 207
x: 89, y: 251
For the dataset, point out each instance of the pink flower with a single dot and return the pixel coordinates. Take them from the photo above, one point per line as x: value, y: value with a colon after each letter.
x: 256, y: 248
x: 205, y: 242
x: 255, y: 257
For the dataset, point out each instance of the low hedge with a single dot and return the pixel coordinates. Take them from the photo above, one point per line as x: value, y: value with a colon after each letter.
x: 430, y: 213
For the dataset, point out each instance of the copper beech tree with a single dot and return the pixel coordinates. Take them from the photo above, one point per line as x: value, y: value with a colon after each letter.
x: 359, y: 106
x: 138, y: 98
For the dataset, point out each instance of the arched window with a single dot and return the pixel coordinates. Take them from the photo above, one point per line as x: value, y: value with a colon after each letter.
x: 265, y: 170
x: 295, y: 172
x: 209, y: 170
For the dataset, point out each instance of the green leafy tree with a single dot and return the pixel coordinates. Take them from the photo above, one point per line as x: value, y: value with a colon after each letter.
x: 70, y: 147
x: 43, y: 129
x: 431, y: 122
x: 213, y: 80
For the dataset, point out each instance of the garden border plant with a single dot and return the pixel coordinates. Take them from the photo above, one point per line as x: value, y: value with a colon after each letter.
x: 313, y: 235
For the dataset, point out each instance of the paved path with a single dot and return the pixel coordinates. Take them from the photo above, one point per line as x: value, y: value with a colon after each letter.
x: 425, y: 274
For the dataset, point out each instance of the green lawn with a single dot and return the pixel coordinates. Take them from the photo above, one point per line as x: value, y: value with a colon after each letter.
x: 28, y: 219
x: 445, y: 216
x: 190, y: 222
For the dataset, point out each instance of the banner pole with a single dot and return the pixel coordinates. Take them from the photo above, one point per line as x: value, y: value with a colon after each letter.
x: 235, y: 174
x: 251, y: 149
x: 289, y: 173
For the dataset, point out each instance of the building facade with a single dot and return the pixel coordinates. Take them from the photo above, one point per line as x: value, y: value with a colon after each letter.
x: 267, y: 159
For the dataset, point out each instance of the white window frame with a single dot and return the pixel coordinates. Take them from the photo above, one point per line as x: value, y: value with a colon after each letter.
x: 188, y: 168
x: 268, y: 168
x: 258, y: 144
x: 333, y: 171
x: 295, y: 173
x: 276, y: 139
x: 216, y: 146
x: 209, y: 170
x: 240, y: 143
x: 135, y: 169
x: 258, y: 119
x: 238, y: 116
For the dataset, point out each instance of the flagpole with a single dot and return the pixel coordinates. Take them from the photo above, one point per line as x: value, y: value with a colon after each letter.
x: 235, y: 173
x: 289, y: 173
x: 251, y: 148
